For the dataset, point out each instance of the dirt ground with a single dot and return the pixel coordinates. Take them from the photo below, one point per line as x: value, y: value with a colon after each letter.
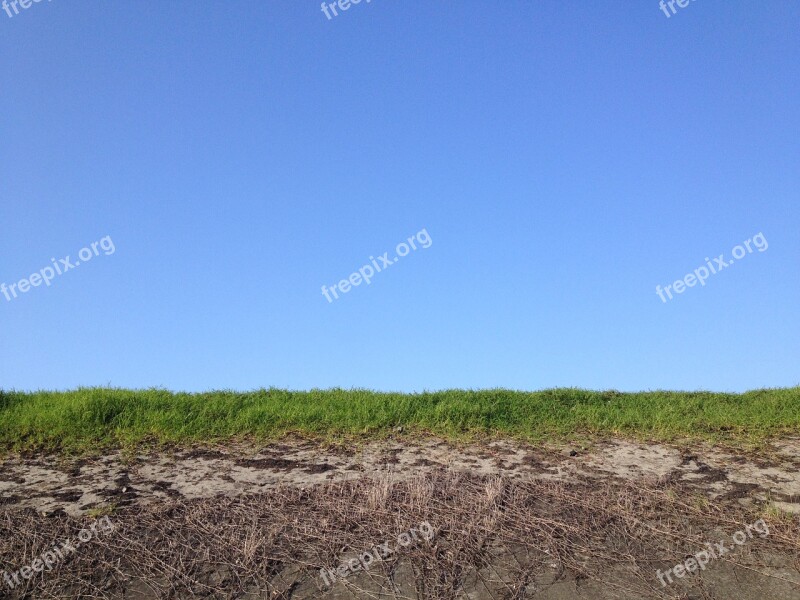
x: 511, y: 521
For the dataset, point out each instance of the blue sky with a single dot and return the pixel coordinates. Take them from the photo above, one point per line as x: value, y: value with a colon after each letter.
x: 565, y: 158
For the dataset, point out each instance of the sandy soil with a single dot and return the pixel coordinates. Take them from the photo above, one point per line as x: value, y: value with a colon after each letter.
x: 51, y: 483
x: 512, y: 521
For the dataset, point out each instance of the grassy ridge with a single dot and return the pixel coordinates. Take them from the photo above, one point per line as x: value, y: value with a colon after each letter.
x: 94, y: 417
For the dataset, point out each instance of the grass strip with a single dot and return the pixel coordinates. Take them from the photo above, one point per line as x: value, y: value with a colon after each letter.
x: 90, y: 418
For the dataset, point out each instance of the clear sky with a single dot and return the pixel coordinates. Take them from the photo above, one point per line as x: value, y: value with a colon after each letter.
x: 564, y: 158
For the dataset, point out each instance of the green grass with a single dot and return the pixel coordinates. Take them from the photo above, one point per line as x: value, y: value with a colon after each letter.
x: 94, y: 418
